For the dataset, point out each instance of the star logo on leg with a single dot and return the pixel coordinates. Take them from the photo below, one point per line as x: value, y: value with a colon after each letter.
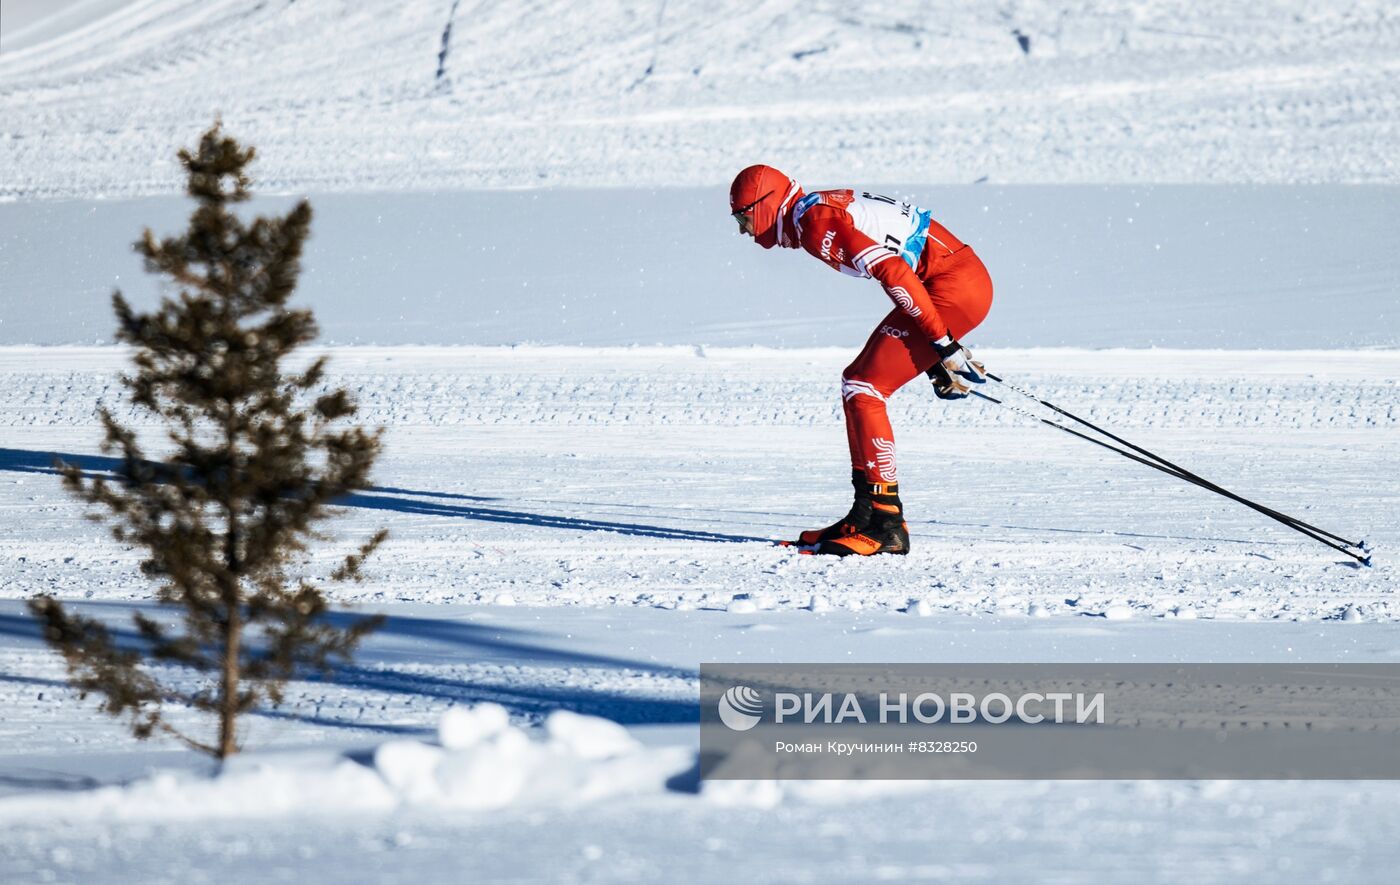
x: 870, y: 465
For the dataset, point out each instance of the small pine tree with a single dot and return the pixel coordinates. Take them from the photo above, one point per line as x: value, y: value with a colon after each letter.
x: 257, y: 458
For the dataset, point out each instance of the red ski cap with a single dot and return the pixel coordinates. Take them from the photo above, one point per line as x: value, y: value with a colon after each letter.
x: 760, y: 192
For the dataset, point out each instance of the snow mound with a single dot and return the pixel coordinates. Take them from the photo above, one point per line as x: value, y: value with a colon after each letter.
x: 741, y: 606
x: 482, y: 763
x: 464, y: 727
x: 253, y: 786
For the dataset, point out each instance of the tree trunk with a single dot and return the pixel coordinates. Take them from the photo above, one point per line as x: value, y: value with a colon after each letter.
x: 228, y: 708
x: 233, y: 629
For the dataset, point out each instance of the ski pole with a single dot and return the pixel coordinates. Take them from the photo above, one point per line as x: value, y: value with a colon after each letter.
x: 1281, y: 517
x: 1180, y: 473
x: 1192, y: 479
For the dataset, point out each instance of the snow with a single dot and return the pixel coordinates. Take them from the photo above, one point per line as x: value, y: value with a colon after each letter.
x: 510, y: 475
x: 29, y: 23
x: 343, y: 97
x: 1066, y: 832
x: 396, y: 811
x: 462, y: 728
x: 588, y: 737
x: 1060, y: 832
x: 575, y: 528
x: 1189, y: 210
x: 249, y: 788
x: 584, y: 759
x: 1073, y: 266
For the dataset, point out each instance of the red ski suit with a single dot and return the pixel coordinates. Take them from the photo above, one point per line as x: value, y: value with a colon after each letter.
x: 938, y: 284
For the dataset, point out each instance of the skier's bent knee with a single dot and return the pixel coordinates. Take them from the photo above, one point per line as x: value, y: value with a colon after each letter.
x: 852, y: 387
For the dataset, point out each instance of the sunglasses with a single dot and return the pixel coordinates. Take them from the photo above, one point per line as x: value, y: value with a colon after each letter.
x: 741, y: 215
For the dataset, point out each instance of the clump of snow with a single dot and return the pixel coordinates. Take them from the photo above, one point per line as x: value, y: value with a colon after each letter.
x: 819, y: 603
x: 464, y: 727
x: 919, y: 608
x: 503, y: 599
x: 741, y: 605
x: 408, y: 767
x: 255, y: 786
x: 588, y: 737
x: 483, y: 763
x: 492, y: 774
x: 487, y: 763
x: 1352, y: 614
x: 1118, y: 613
x: 1036, y: 610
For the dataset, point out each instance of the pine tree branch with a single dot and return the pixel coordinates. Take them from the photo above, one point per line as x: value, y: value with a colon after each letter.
x: 187, y: 740
x: 350, y: 568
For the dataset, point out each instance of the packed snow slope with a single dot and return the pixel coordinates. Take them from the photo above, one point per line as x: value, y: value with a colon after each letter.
x: 423, y: 94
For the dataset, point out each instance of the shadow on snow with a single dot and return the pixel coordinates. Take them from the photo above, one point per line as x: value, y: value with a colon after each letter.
x: 400, y: 500
x: 394, y: 499
x: 422, y: 639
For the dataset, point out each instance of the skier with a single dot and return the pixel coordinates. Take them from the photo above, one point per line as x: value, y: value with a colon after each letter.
x: 941, y: 292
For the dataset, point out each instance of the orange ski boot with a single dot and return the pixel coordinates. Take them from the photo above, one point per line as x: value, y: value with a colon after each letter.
x: 875, y: 524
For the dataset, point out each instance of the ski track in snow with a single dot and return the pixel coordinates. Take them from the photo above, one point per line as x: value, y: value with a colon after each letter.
x: 360, y: 703
x: 661, y: 476
x: 341, y: 96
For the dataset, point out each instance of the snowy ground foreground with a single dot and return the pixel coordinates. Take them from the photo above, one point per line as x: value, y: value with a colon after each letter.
x: 1055, y: 833
x: 616, y: 500
x: 617, y: 811
x: 634, y: 666
x: 660, y: 476
x: 344, y: 96
x: 316, y: 801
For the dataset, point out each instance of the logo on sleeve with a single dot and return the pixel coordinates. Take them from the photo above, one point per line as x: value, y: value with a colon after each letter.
x: 827, y: 239
x: 902, y: 298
